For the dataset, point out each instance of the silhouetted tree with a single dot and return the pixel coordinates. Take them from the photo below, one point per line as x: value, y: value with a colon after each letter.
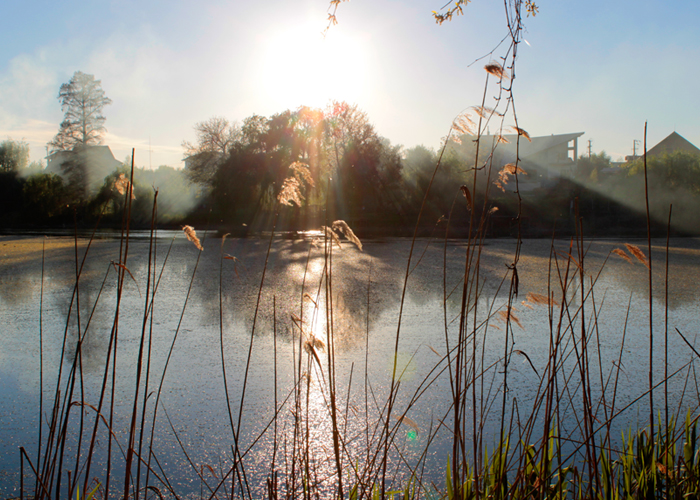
x: 215, y: 139
x: 340, y: 143
x: 14, y: 156
x: 44, y: 197
x: 675, y: 170
x: 249, y: 179
x: 82, y: 100
x: 673, y: 178
x: 588, y: 168
x: 365, y: 169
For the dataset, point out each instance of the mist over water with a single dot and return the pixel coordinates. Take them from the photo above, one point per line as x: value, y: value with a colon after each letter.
x: 366, y: 293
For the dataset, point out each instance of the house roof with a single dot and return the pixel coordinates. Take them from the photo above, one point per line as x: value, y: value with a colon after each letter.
x: 527, y: 149
x: 99, y: 160
x: 100, y: 154
x: 541, y: 143
x: 674, y: 142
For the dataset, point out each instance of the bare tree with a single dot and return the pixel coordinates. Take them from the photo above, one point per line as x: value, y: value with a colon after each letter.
x: 82, y: 100
x: 215, y: 138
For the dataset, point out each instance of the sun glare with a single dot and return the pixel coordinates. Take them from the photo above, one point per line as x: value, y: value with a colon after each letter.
x: 302, y: 67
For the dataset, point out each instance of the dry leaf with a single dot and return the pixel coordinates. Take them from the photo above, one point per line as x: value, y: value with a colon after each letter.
x: 235, y: 263
x: 122, y: 266
x: 522, y: 353
x: 467, y: 195
x: 433, y: 349
x: 307, y: 296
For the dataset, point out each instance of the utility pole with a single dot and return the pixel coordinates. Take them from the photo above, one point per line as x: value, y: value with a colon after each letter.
x: 589, y: 147
x: 635, y: 143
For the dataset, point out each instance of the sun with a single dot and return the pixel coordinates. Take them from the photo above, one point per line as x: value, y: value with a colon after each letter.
x: 301, y: 66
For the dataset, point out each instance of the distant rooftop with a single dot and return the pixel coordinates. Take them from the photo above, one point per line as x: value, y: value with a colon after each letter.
x: 674, y: 142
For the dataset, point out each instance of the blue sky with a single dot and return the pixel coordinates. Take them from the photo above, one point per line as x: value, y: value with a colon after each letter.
x: 599, y: 67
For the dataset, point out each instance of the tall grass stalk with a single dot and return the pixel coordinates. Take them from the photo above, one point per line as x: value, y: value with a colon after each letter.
x: 651, y: 293
x: 139, y: 362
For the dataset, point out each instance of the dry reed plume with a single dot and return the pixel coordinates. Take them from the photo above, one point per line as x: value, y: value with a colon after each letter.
x: 121, y: 184
x: 503, y: 175
x: 495, y: 69
x: 330, y: 234
x: 312, y: 342
x: 539, y: 299
x: 302, y: 172
x: 464, y: 124
x: 522, y: 132
x: 634, y: 250
x: 290, y: 192
x: 485, y: 112
x: 315, y: 342
x: 191, y: 235
x: 509, y: 313
x: 291, y: 187
x: 342, y: 227
x: 621, y: 253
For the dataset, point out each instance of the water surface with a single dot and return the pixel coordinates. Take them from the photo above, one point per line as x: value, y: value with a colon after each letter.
x: 365, y: 292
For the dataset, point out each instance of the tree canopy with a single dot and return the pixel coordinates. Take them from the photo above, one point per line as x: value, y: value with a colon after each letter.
x: 677, y: 170
x: 14, y: 156
x: 250, y: 168
x: 82, y: 100
x: 215, y: 138
x: 588, y: 168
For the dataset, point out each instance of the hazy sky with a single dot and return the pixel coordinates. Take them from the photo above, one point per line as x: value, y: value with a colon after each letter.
x: 601, y: 67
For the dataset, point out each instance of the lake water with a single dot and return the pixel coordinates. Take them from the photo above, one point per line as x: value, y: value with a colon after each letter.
x: 366, y: 297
